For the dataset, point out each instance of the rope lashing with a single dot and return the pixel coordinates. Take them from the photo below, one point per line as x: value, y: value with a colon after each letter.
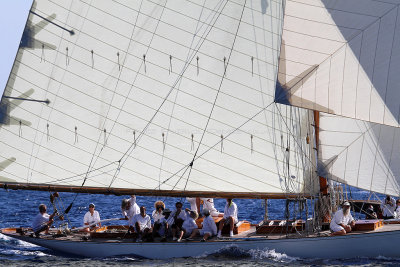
x: 134, y: 139
x: 20, y: 129
x: 76, y: 135
x: 163, y: 140
x: 92, y: 58
x: 48, y: 132
x: 222, y: 143
x: 66, y: 57
x: 42, y: 58
x: 144, y: 62
x: 197, y: 58
x: 252, y: 66
x: 251, y: 143
x: 105, y: 136
x: 225, y: 66
x: 119, y: 66
x: 170, y: 64
x: 192, y: 146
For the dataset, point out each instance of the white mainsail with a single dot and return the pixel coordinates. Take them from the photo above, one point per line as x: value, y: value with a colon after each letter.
x: 342, y: 57
x: 153, y: 95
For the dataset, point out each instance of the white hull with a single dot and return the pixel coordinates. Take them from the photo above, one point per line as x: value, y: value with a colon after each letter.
x: 350, y: 246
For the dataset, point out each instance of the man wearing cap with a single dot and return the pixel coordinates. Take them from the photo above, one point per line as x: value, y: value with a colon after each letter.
x: 342, y: 221
x: 92, y: 216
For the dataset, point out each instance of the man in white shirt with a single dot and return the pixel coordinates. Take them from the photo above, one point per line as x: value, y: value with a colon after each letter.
x: 342, y: 221
x: 142, y: 223
x: 209, y: 228
x: 176, y: 220
x: 163, y: 228
x: 134, y: 207
x: 397, y: 211
x: 388, y: 207
x: 208, y: 203
x: 92, y: 216
x: 189, y: 225
x: 230, y: 217
x: 42, y: 221
x: 130, y: 208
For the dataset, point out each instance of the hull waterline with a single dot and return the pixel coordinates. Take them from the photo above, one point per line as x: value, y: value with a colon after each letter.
x: 350, y: 246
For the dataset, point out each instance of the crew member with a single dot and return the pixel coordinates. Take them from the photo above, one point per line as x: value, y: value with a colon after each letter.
x: 230, y: 217
x: 342, y: 222
x: 42, y: 221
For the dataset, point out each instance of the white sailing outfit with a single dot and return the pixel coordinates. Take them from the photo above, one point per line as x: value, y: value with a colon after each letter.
x: 208, y: 203
x: 397, y: 212
x: 157, y: 216
x: 181, y: 215
x: 189, y: 225
x: 144, y: 222
x: 388, y: 209
x: 231, y: 211
x: 40, y: 221
x: 192, y: 201
x: 339, y: 218
x: 134, y: 208
x: 132, y: 211
x: 209, y: 226
x: 89, y: 218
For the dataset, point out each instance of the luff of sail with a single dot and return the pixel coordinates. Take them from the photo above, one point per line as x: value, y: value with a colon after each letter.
x: 153, y: 97
x: 341, y: 57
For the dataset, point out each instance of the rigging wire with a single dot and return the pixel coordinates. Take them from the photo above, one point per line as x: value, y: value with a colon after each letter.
x: 217, y: 143
x: 109, y: 108
x: 126, y: 155
x: 216, y: 97
x: 178, y: 88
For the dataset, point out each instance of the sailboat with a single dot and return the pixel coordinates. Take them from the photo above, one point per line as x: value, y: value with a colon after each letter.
x: 268, y: 99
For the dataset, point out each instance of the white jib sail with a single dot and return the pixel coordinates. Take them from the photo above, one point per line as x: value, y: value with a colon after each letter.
x: 138, y: 90
x: 342, y: 57
x: 360, y: 154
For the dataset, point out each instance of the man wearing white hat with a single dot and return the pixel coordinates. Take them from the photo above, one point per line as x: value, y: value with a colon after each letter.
x: 342, y: 221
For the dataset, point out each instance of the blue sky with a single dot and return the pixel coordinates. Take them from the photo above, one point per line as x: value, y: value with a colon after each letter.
x: 12, y: 22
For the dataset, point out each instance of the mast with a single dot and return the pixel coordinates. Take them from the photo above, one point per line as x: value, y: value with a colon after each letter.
x: 323, y: 183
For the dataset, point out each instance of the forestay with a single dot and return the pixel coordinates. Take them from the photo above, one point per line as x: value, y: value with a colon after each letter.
x: 155, y: 97
x: 342, y: 57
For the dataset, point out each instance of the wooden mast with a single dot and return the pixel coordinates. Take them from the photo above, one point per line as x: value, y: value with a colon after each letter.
x: 323, y: 184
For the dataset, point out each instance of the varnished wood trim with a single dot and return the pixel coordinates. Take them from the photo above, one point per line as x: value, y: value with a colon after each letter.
x: 146, y: 192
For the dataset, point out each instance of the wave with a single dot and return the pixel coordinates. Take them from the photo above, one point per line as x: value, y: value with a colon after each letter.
x: 234, y: 252
x: 6, y: 240
x: 22, y: 252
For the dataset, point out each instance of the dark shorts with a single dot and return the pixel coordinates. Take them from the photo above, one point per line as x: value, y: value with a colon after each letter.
x: 177, y: 224
x: 41, y: 229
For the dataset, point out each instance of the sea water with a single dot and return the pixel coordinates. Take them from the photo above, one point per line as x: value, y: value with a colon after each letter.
x: 19, y: 207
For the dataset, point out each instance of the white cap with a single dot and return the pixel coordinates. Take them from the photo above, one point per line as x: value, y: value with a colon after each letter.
x: 346, y: 203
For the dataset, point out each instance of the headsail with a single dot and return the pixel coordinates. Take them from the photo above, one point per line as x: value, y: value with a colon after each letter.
x: 341, y: 57
x: 153, y: 97
x: 360, y: 154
